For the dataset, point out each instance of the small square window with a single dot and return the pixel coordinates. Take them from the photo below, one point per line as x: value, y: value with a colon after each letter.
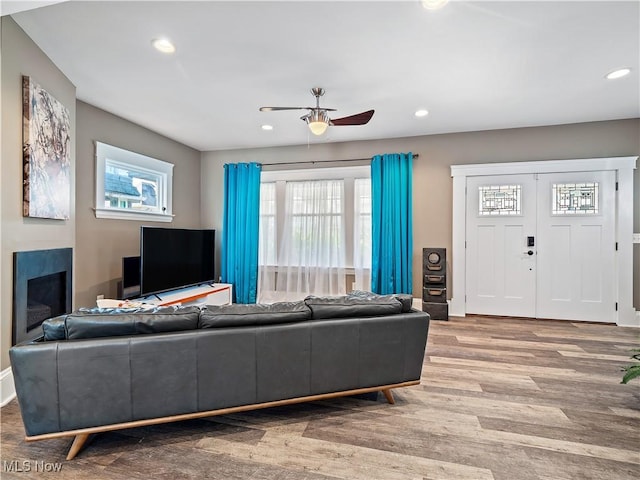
x: 131, y: 186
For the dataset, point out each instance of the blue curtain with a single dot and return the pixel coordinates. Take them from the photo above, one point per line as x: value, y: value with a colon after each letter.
x: 240, y: 229
x: 391, y: 223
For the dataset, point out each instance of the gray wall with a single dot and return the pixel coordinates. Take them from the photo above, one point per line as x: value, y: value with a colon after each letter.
x: 432, y: 187
x: 20, y: 56
x: 101, y: 243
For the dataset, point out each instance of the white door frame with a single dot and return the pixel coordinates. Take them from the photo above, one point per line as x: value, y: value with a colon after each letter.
x: 623, y: 166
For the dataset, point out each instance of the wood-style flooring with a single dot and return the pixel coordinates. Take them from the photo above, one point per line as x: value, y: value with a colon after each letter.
x: 501, y: 398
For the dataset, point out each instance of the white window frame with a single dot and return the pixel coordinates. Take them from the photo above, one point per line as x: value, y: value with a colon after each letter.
x: 135, y: 161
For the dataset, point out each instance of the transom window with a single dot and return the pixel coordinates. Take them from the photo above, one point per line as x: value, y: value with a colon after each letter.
x: 132, y: 186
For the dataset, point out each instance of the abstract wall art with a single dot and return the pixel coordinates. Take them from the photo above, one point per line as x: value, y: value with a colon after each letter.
x: 46, y: 148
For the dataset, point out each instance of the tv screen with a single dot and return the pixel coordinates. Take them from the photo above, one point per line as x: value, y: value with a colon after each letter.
x: 171, y: 258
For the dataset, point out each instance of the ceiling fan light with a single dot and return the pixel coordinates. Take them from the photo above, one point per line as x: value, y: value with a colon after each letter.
x: 318, y: 128
x: 318, y: 121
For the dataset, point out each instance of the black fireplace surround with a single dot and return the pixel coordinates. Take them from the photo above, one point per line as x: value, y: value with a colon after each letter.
x: 41, y: 289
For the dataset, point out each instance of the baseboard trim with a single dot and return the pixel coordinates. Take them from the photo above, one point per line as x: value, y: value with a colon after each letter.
x: 631, y: 318
x: 7, y: 388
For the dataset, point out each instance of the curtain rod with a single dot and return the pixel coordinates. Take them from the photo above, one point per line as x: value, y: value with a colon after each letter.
x: 313, y: 162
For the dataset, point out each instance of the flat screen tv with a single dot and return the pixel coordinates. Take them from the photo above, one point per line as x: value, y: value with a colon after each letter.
x: 172, y: 258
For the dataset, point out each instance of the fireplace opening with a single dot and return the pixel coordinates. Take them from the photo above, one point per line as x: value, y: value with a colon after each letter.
x: 45, y: 298
x: 41, y: 289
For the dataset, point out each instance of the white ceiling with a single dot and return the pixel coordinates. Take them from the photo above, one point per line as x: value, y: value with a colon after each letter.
x: 473, y: 65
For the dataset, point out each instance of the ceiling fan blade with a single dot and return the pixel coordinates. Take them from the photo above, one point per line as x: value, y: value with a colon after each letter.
x: 357, y: 119
x: 273, y: 109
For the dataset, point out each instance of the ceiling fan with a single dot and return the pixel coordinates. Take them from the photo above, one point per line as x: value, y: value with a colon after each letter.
x: 318, y: 118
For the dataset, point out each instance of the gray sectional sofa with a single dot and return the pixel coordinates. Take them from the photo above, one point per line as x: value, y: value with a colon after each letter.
x: 97, y: 370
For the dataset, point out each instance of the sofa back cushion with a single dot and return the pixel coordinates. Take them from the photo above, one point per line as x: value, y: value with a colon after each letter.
x: 352, y: 306
x: 112, y: 322
x: 406, y: 299
x: 238, y: 315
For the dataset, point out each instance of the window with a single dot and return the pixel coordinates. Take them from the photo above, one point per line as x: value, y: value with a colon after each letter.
x: 314, y: 223
x: 574, y: 198
x: 131, y: 186
x: 315, y: 228
x: 362, y: 234
x: 268, y: 235
x: 499, y: 200
x: 362, y: 223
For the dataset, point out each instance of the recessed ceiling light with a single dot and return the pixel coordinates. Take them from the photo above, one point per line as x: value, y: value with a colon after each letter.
x: 163, y: 45
x: 621, y: 72
x: 267, y: 127
x: 421, y: 113
x: 433, y: 4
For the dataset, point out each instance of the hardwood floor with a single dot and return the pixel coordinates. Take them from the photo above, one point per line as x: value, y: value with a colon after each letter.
x: 501, y: 398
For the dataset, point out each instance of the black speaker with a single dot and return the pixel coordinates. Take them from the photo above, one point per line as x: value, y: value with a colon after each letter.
x: 434, y: 283
x: 434, y: 260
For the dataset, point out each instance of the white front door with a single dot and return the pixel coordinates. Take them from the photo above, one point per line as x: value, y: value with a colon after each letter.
x: 541, y: 245
x: 576, y: 246
x: 501, y: 215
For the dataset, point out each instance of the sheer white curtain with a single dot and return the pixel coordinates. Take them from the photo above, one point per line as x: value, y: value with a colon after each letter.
x: 267, y: 254
x: 315, y: 226
x: 362, y: 233
x: 311, y: 257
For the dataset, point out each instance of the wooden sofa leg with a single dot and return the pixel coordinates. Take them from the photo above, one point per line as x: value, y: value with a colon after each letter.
x: 76, y: 446
x: 389, y: 396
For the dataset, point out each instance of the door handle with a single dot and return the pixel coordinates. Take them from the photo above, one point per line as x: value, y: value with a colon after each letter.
x: 530, y: 252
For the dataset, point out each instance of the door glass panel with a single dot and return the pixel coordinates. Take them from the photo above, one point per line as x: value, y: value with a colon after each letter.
x: 500, y: 200
x: 574, y: 198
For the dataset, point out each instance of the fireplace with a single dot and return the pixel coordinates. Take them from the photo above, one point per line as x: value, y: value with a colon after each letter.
x: 41, y: 289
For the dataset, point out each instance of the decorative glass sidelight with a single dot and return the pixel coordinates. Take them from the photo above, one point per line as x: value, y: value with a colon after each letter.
x: 500, y: 200
x: 574, y: 198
